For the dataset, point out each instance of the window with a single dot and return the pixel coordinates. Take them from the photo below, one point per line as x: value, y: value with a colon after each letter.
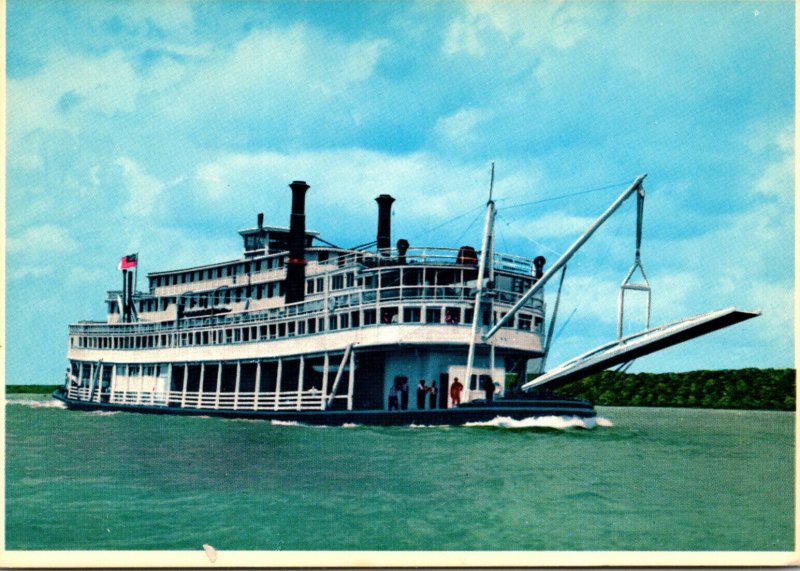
x: 354, y: 318
x: 323, y: 257
x: 477, y: 382
x: 337, y: 282
x: 412, y: 315
x: 369, y: 317
x: 452, y: 315
x: 320, y: 285
x: 351, y: 279
x: 281, y: 330
x: 524, y: 322
x: 301, y: 327
x: 120, y: 370
x: 309, y: 286
x: 332, y: 323
x: 433, y: 315
x: 344, y: 320
x: 291, y: 328
x: 389, y: 315
x: 312, y: 326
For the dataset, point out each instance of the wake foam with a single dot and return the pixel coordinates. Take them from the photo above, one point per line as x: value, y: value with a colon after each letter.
x: 51, y: 403
x: 555, y: 422
x: 285, y: 423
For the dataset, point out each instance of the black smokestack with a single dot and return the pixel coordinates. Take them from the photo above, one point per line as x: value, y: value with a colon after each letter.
x: 296, y: 266
x: 260, y: 220
x: 129, y: 301
x: 124, y: 316
x: 384, y: 221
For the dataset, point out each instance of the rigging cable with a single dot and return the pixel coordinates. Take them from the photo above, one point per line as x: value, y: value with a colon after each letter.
x: 568, y: 195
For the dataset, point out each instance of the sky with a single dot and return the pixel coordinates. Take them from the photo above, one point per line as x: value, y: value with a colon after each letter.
x: 164, y: 127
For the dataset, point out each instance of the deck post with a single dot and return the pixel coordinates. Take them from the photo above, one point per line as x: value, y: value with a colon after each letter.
x: 125, y: 386
x: 141, y: 384
x: 219, y: 385
x: 91, y: 381
x: 300, y: 383
x: 185, y: 384
x: 325, y: 365
x: 200, y: 386
x: 100, y: 367
x: 278, y: 384
x: 169, y: 382
x: 351, y: 380
x: 112, y: 397
x: 258, y: 385
x: 238, y: 382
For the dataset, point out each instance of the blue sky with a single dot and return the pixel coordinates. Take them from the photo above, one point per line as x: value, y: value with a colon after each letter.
x: 163, y: 128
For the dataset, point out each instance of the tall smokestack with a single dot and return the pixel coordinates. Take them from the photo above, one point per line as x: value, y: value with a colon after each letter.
x: 296, y: 266
x: 384, y: 221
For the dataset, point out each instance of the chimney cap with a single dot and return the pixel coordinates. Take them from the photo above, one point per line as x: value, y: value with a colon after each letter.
x: 299, y: 183
x: 385, y: 198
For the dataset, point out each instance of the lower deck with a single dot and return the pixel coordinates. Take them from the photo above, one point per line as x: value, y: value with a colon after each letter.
x: 477, y: 411
x: 353, y: 379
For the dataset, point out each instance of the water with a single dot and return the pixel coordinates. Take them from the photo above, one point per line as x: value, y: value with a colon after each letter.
x: 642, y: 479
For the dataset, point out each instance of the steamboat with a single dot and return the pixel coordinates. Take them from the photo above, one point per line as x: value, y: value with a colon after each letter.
x: 298, y: 329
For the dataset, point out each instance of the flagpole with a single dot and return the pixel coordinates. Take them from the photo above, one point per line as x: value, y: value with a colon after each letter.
x: 136, y: 275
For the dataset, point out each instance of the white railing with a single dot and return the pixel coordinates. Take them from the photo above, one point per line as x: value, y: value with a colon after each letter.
x: 244, y: 401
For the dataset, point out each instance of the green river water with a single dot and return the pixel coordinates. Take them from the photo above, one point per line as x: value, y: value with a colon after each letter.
x: 647, y: 479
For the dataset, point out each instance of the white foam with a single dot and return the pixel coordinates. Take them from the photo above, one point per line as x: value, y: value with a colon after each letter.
x: 104, y: 412
x: 557, y: 422
x: 50, y: 403
x: 284, y: 423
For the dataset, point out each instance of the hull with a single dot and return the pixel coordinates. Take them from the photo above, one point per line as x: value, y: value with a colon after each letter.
x: 467, y: 413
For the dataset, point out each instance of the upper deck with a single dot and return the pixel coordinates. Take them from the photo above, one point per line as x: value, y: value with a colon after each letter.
x: 345, y: 289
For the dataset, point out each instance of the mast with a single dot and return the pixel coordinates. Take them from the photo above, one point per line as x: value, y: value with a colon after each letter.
x: 565, y: 257
x: 488, y: 229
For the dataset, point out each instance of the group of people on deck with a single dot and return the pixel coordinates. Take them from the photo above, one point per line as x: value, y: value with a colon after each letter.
x: 398, y: 394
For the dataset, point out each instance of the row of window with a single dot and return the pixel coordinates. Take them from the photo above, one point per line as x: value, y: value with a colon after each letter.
x: 345, y: 320
x: 241, y: 268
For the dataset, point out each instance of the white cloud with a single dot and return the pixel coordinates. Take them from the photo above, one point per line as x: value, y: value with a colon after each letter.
x: 458, y: 129
x: 143, y: 189
x: 45, y: 238
x: 532, y: 25
x: 295, y: 75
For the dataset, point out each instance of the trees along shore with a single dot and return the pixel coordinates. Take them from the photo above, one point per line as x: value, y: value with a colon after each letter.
x: 770, y: 389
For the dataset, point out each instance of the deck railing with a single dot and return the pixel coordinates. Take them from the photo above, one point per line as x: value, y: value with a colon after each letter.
x: 312, y: 399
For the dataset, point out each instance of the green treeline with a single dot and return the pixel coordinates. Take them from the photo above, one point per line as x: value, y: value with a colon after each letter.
x: 30, y: 389
x: 772, y: 389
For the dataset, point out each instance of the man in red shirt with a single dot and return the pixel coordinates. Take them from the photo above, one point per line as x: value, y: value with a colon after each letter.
x: 455, y: 392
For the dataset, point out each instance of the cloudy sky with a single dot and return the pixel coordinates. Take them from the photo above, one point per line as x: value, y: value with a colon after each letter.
x: 163, y: 128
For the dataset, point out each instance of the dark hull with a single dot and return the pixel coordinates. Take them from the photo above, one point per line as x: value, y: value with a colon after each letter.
x: 470, y: 412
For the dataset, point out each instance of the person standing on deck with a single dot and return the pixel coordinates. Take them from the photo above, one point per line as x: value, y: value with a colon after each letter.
x: 404, y: 394
x: 393, y: 396
x: 455, y: 392
x: 422, y: 390
x: 488, y: 386
x: 432, y: 391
